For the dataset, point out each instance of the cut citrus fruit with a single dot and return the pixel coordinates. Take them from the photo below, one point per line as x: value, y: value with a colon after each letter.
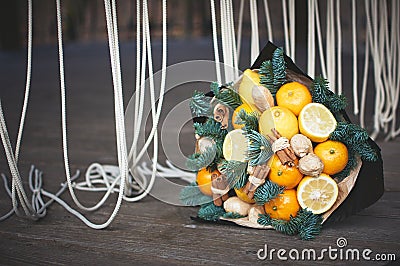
x: 284, y: 175
x: 316, y: 122
x: 280, y: 118
x: 235, y: 146
x: 294, y: 96
x: 284, y: 206
x: 203, y: 181
x: 247, y: 108
x: 250, y: 78
x: 317, y: 194
x: 333, y: 154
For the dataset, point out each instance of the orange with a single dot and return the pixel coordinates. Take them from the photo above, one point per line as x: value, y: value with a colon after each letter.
x: 203, y: 180
x: 280, y: 118
x: 247, y: 108
x: 243, y: 196
x: 294, y: 96
x: 333, y: 154
x: 283, y: 206
x: 284, y: 175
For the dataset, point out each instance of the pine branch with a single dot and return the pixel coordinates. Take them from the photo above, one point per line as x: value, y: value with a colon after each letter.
x: 279, y: 67
x: 227, y: 95
x: 192, y: 196
x: 211, y: 129
x: 356, y: 138
x: 310, y: 226
x: 306, y: 224
x: 267, y: 76
x: 259, y: 150
x: 249, y: 120
x: 232, y: 215
x: 210, y: 212
x: 235, y: 172
x: 197, y: 161
x: 267, y: 192
x: 321, y: 94
x: 200, y: 104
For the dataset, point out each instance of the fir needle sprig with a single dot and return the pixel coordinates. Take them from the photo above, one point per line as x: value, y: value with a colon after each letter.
x: 259, y: 148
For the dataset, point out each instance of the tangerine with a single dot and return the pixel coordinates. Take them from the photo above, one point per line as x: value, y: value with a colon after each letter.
x: 284, y: 206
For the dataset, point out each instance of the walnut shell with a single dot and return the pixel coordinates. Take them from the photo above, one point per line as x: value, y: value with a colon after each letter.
x: 311, y: 165
x: 301, y: 145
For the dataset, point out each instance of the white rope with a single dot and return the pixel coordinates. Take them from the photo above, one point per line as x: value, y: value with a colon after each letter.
x: 215, y: 41
x: 319, y: 37
x: 268, y: 20
x: 355, y: 67
x: 256, y: 181
x: 219, y: 191
x: 239, y: 32
x: 286, y: 28
x: 339, y: 49
x: 311, y: 39
x: 280, y: 144
x: 255, y: 43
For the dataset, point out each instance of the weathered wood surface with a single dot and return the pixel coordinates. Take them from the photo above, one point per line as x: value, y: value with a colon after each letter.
x: 147, y: 232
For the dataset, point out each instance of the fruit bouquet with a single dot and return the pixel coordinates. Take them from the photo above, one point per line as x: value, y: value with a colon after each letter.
x: 276, y: 150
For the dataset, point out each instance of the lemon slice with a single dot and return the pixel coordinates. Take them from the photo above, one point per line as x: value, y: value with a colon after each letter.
x: 316, y: 122
x: 235, y: 146
x: 317, y: 194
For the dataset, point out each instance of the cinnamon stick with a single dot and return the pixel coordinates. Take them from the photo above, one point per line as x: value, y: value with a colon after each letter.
x: 260, y: 172
x: 219, y: 182
x: 286, y: 155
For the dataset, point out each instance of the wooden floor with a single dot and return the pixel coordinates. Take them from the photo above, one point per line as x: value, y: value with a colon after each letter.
x: 149, y: 231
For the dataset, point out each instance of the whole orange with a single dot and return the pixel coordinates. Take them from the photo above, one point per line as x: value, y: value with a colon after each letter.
x: 203, y: 180
x: 294, y: 96
x: 333, y: 154
x: 283, y: 206
x: 284, y: 175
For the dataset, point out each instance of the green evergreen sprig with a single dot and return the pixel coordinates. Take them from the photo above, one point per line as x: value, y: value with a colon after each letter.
x: 273, y: 72
x: 356, y: 140
x: 279, y: 67
x: 236, y: 173
x: 266, y: 192
x: 192, y: 196
x: 200, y: 104
x: 210, y: 212
x: 321, y: 94
x: 211, y: 129
x: 197, y: 161
x: 306, y: 224
x: 267, y: 76
x: 249, y: 120
x: 259, y: 149
x: 232, y: 215
x: 226, y: 94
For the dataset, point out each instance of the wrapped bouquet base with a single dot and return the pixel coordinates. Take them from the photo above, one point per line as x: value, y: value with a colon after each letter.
x: 276, y: 150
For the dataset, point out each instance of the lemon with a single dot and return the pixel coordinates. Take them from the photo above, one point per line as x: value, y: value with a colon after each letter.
x: 316, y: 122
x: 317, y: 194
x: 247, y: 108
x: 235, y: 146
x: 249, y: 79
x: 243, y: 196
x: 280, y: 118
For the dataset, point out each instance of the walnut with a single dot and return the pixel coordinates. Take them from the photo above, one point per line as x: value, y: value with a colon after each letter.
x: 311, y: 165
x: 301, y: 145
